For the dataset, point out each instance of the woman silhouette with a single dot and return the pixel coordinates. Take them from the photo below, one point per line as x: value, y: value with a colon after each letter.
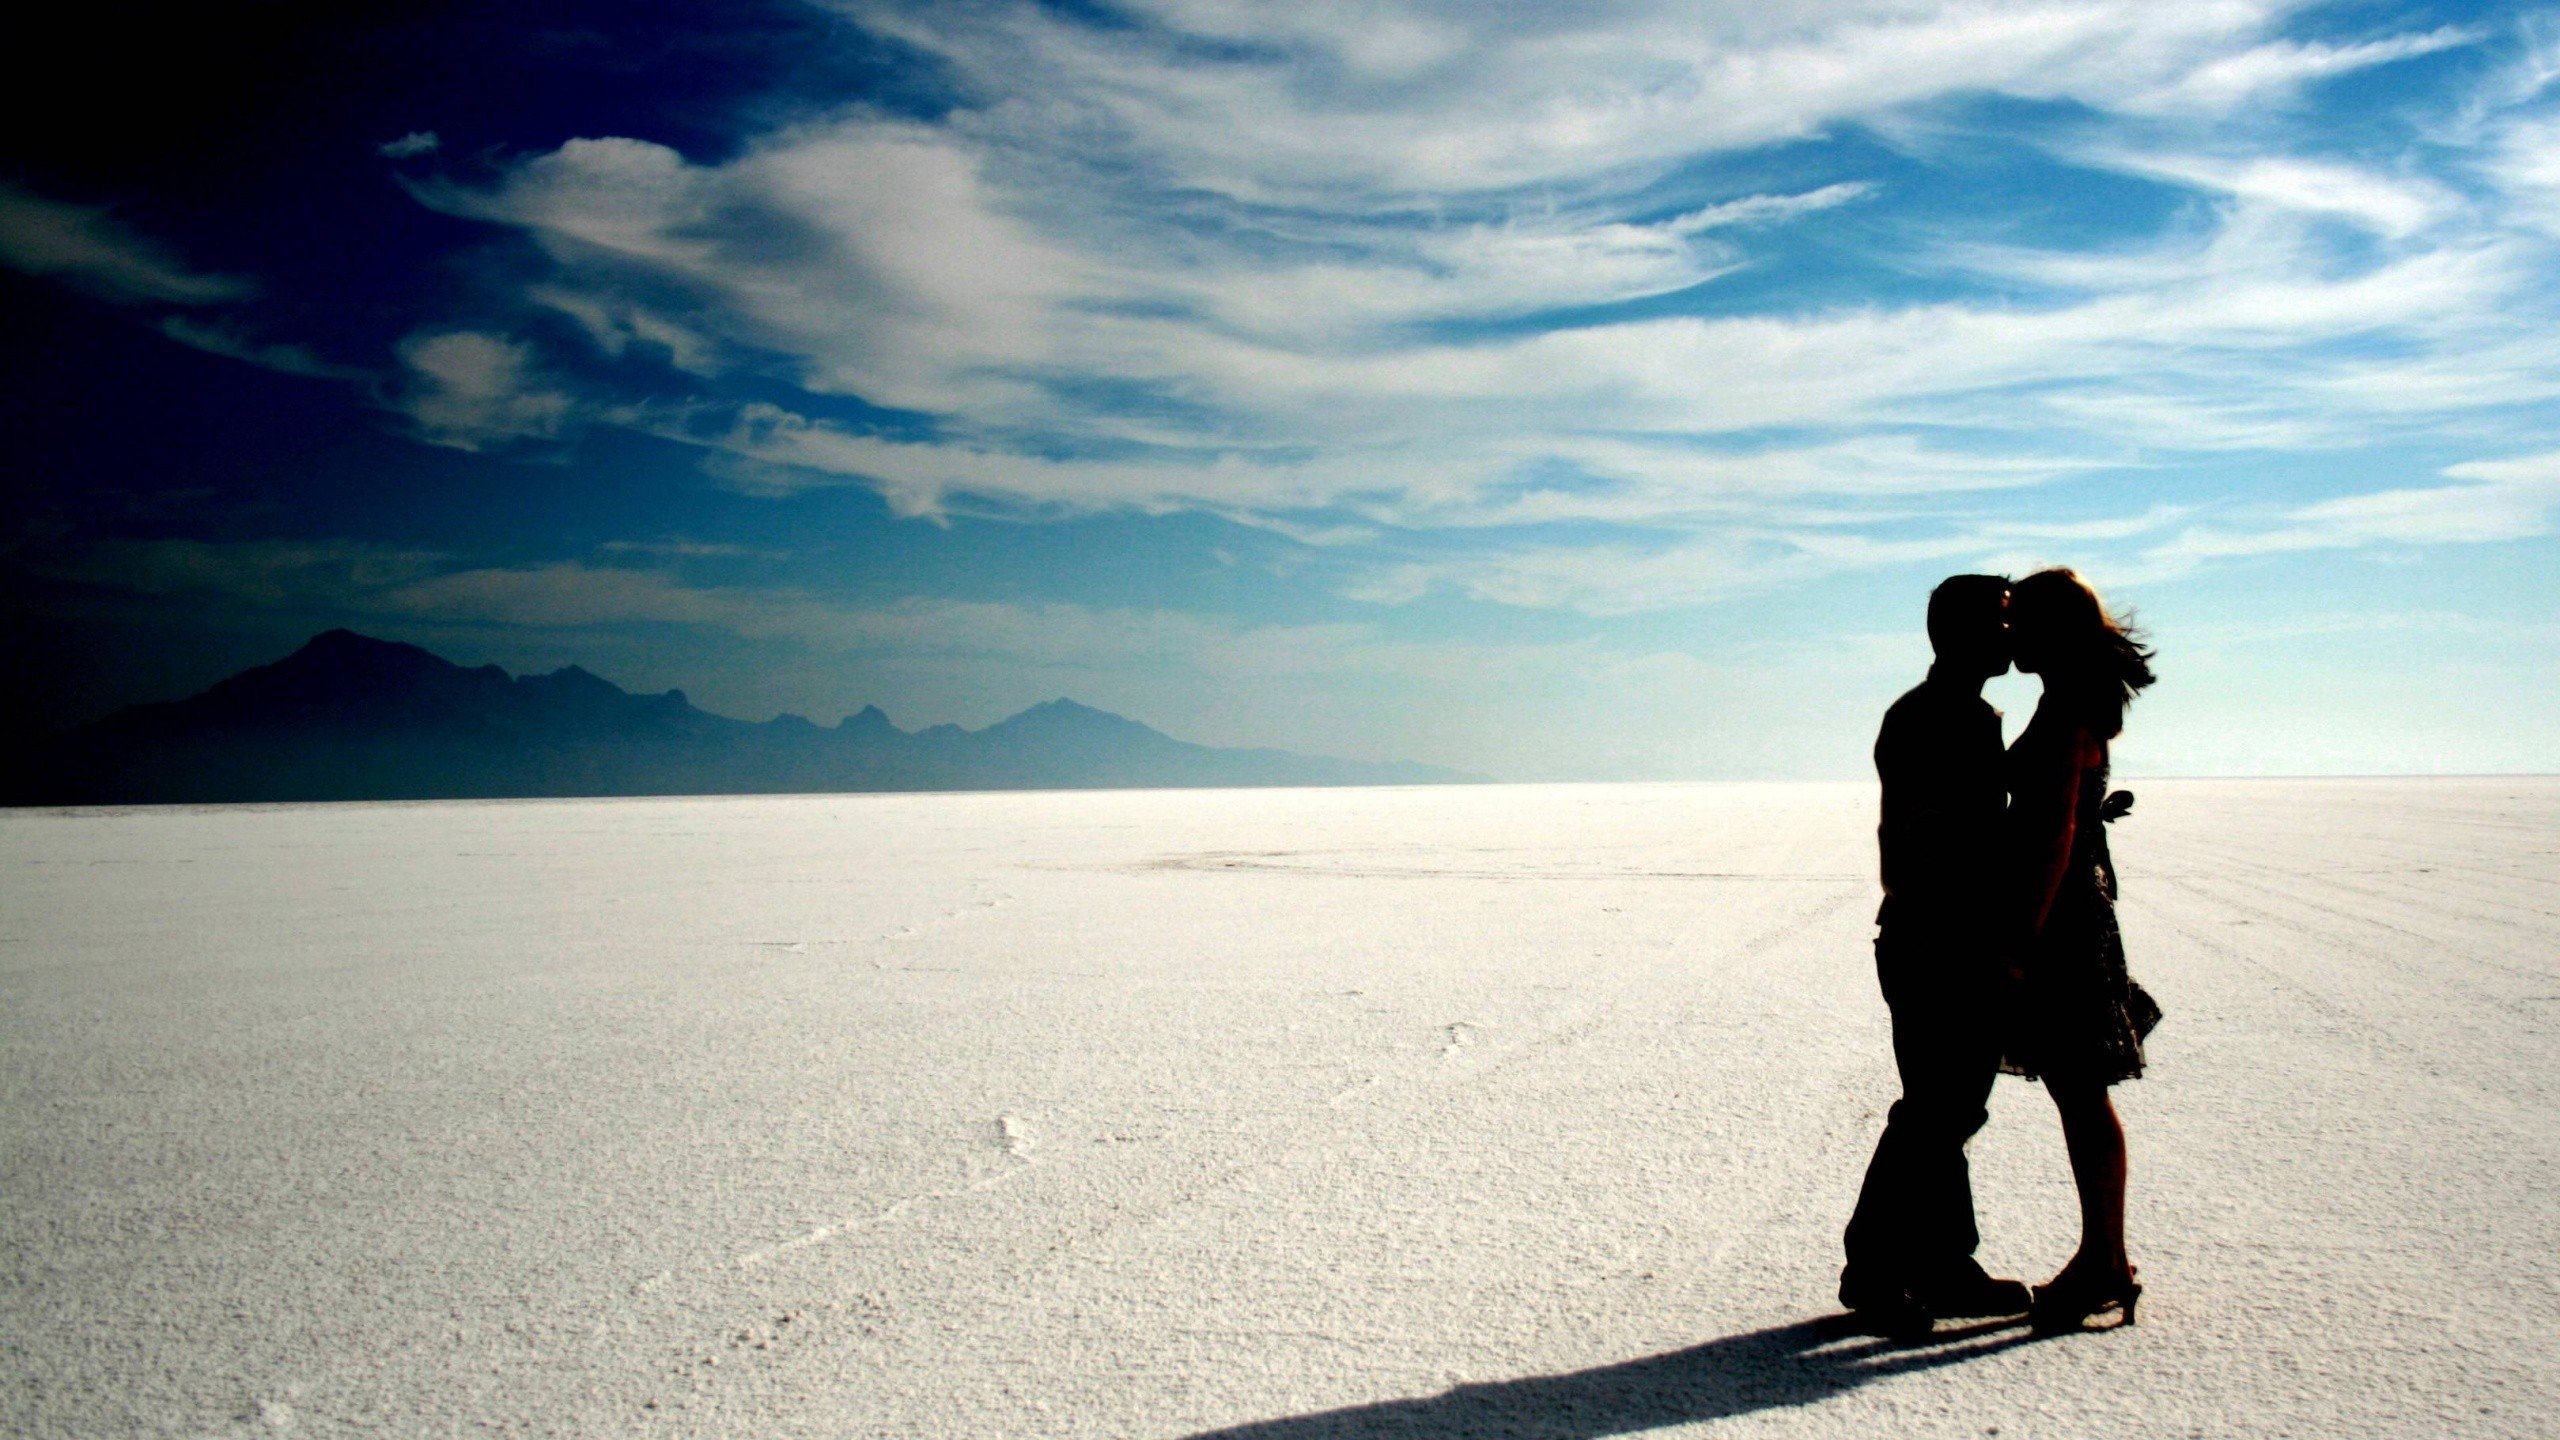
x: 2078, y: 1018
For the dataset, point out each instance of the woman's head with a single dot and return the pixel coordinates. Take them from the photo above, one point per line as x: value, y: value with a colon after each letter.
x: 2061, y: 630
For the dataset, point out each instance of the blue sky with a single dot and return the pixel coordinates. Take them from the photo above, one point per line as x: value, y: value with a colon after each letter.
x: 1552, y: 391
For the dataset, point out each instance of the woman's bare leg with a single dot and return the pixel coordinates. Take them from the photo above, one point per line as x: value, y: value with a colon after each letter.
x: 2094, y: 1136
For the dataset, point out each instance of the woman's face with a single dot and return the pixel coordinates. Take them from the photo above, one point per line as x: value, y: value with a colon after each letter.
x: 2031, y: 637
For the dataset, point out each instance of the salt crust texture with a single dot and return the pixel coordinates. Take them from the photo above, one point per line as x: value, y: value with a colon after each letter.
x: 1438, y: 1112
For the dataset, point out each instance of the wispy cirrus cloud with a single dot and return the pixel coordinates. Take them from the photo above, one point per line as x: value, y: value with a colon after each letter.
x: 1420, y: 267
x: 2489, y: 500
x: 2395, y: 206
x: 2279, y: 68
x: 410, y: 146
x: 88, y: 247
x: 233, y: 343
x: 1268, y: 102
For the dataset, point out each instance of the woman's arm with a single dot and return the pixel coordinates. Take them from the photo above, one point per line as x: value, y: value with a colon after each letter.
x: 2044, y: 814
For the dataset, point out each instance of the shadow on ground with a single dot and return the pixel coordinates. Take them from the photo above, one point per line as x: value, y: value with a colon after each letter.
x: 1772, y: 1369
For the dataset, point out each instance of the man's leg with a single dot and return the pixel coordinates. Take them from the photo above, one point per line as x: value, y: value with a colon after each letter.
x: 1913, y: 1231
x: 1947, y: 1066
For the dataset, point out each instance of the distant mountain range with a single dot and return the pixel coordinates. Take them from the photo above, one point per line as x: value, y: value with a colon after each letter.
x: 349, y: 717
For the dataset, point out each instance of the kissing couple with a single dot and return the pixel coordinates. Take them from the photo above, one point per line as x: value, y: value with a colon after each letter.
x: 1998, y: 950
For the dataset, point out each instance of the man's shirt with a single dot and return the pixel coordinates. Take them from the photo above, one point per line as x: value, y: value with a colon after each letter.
x: 1945, y: 798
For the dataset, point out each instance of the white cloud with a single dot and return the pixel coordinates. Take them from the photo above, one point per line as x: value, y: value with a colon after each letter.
x: 1534, y: 481
x: 2491, y: 501
x: 2280, y: 67
x: 2504, y: 500
x: 1623, y: 578
x: 868, y: 252
x: 92, y: 249
x: 231, y: 344
x: 616, y: 326
x: 469, y: 390
x: 410, y: 146
x: 1352, y: 267
x: 2390, y: 205
x: 1759, y: 209
x: 2524, y: 162
x: 1496, y: 98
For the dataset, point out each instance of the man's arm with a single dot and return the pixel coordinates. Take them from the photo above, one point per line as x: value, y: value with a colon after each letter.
x: 1896, y: 818
x: 1915, y: 759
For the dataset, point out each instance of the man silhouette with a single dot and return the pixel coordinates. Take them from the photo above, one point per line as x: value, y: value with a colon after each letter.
x: 1911, y: 1241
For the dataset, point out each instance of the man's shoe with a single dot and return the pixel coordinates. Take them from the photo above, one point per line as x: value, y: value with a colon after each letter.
x: 1969, y: 1294
x: 1883, y: 1309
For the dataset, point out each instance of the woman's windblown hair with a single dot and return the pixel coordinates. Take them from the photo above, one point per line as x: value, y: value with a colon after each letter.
x: 2092, y: 654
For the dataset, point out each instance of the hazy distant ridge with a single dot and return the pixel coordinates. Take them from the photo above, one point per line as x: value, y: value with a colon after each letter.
x: 349, y: 717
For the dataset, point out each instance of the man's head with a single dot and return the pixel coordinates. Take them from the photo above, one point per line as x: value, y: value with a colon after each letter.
x: 1969, y: 625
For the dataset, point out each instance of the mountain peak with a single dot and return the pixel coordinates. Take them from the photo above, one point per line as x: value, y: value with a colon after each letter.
x: 339, y: 638
x: 575, y: 677
x: 1065, y: 714
x: 346, y: 647
x: 344, y: 662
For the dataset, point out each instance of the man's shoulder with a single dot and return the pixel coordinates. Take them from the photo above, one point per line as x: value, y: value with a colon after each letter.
x: 1930, y: 703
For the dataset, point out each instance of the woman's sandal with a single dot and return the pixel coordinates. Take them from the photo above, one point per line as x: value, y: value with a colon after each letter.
x: 2069, y: 1300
